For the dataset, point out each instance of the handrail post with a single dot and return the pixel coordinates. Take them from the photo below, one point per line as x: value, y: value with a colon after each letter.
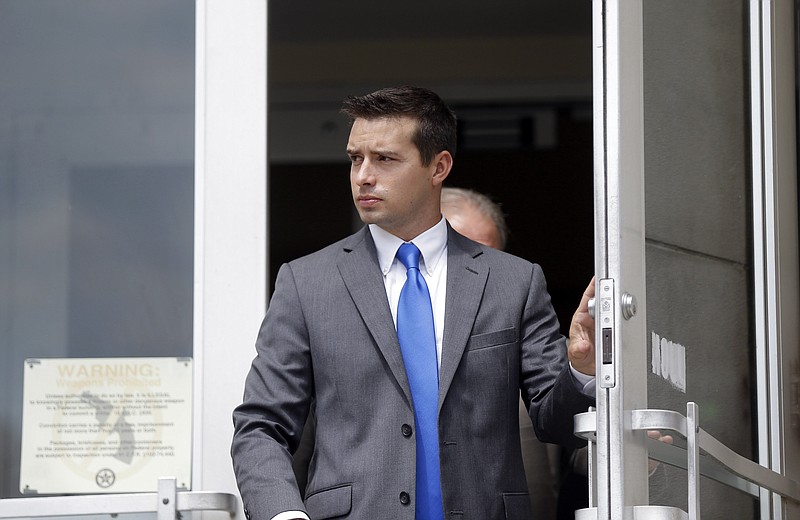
x: 167, y: 507
x: 693, y: 459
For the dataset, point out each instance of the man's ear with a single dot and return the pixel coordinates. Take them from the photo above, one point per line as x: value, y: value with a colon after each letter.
x: 443, y: 163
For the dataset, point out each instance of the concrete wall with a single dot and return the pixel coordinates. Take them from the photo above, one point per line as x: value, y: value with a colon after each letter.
x: 698, y: 251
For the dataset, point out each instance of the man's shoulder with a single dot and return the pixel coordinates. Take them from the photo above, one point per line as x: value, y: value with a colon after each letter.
x: 494, y: 257
x: 510, y: 264
x: 332, y: 252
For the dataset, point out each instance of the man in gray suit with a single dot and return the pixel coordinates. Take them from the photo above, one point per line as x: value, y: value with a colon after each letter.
x: 329, y: 339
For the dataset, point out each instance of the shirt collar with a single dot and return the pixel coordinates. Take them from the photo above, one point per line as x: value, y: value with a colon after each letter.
x: 431, y: 244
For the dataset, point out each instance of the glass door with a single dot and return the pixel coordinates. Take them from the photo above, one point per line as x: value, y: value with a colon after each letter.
x: 689, y: 171
x: 132, y: 233
x: 96, y: 213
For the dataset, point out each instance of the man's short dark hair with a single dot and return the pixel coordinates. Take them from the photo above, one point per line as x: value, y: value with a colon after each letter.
x: 436, y: 123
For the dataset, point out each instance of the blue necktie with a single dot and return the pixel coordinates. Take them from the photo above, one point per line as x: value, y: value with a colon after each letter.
x: 418, y: 346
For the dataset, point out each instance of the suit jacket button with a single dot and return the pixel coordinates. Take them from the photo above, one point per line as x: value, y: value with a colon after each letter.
x: 405, y: 499
x: 406, y: 429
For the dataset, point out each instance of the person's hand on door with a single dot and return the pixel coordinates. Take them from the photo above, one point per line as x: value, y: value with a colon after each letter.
x: 581, y: 335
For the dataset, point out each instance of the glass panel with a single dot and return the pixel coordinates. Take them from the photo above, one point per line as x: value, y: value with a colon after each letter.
x: 96, y: 188
x: 698, y: 235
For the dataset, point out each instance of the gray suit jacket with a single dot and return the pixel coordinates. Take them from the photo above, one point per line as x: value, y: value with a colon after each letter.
x: 329, y: 337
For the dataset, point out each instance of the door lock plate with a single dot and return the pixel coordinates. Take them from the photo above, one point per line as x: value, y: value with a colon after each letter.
x: 604, y: 309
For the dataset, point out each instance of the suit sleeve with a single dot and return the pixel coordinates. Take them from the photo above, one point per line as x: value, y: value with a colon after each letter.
x: 269, y: 422
x: 549, y: 388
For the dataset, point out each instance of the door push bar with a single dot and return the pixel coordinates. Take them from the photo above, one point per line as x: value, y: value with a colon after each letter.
x: 718, y: 462
x: 167, y: 503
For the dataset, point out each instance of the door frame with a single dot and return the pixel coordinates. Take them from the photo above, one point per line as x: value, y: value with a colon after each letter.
x: 231, y: 269
x: 619, y: 255
x: 775, y: 230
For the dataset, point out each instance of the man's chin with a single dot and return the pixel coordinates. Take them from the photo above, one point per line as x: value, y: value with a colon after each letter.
x: 368, y: 217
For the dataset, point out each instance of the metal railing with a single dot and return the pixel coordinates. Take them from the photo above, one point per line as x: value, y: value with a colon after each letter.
x: 704, y: 455
x: 167, y: 503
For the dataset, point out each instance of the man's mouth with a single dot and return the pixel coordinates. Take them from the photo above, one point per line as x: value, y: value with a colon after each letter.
x: 367, y: 201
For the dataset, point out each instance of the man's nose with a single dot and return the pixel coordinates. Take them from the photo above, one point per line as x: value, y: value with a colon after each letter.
x: 364, y: 173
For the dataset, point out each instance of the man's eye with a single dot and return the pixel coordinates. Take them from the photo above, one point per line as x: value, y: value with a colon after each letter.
x: 355, y: 159
x: 383, y: 158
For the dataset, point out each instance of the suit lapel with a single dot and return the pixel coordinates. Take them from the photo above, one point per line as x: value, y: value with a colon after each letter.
x: 466, y: 279
x: 362, y: 276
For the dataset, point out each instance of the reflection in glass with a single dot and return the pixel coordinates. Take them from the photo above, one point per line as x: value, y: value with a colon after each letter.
x: 96, y: 187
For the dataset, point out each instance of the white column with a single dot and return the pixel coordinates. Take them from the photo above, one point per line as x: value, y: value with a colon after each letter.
x: 230, y: 282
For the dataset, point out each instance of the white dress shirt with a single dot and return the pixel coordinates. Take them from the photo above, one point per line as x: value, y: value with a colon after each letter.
x: 432, y: 264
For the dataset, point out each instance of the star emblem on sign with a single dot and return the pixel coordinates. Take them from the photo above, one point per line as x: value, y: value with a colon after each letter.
x: 105, y: 478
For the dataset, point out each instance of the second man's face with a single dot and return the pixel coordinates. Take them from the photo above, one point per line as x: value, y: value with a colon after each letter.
x: 390, y: 185
x: 473, y: 224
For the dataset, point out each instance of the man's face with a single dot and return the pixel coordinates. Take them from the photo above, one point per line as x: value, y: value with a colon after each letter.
x: 391, y: 187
